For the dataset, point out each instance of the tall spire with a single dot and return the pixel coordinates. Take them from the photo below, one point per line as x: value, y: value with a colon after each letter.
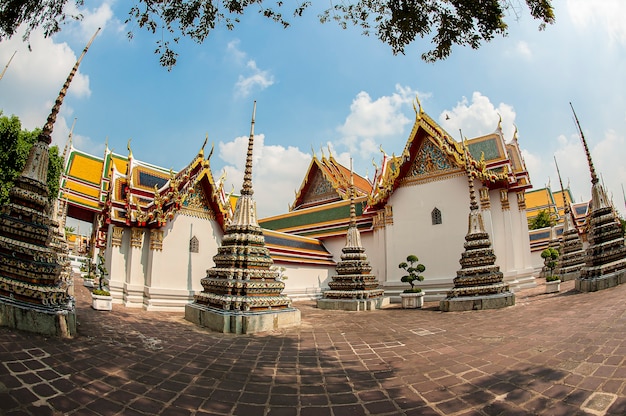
x: 470, y: 179
x: 571, y: 253
x: 46, y: 133
x: 246, y: 188
x: 7, y: 65
x: 594, y: 177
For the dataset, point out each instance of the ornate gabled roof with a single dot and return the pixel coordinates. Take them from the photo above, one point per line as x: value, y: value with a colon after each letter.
x: 148, y: 196
x: 429, y: 151
x: 327, y: 181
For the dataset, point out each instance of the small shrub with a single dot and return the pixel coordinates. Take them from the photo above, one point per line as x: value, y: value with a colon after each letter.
x: 413, y: 268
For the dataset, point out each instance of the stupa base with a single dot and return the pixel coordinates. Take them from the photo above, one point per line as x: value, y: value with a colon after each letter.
x: 353, y: 304
x: 600, y: 283
x: 480, y: 302
x: 40, y: 320
x: 237, y: 322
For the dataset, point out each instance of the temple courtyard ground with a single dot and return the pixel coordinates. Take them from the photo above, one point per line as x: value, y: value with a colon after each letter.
x: 562, y: 354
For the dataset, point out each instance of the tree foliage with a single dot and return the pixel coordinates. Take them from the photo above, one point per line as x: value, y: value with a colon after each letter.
x: 15, y: 145
x: 542, y: 220
x: 397, y: 23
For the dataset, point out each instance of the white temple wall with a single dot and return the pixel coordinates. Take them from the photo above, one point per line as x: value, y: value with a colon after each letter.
x: 115, y: 260
x: 510, y: 241
x: 305, y: 281
x: 439, y: 246
x: 175, y: 271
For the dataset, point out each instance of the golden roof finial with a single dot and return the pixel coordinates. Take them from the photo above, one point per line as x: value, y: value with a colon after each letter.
x: 322, y: 150
x: 313, y: 152
x: 130, y: 152
x: 419, y: 104
x: 330, y: 152
x: 374, y: 164
x: 211, y: 151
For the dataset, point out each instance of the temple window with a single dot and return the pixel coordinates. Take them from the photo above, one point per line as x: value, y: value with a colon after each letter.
x: 436, y: 216
x: 194, y: 245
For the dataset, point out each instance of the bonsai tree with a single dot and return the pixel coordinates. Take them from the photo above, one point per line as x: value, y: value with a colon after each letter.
x: 549, y: 256
x: 102, y: 281
x: 413, y: 269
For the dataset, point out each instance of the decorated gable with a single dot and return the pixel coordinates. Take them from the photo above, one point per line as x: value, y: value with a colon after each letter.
x: 320, y: 189
x: 430, y: 160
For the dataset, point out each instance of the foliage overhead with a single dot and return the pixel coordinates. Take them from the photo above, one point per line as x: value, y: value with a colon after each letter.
x: 397, y: 23
x: 15, y: 145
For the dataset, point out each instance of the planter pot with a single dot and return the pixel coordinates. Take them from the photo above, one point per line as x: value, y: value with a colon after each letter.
x: 412, y: 300
x: 88, y: 283
x: 553, y: 287
x: 101, y: 303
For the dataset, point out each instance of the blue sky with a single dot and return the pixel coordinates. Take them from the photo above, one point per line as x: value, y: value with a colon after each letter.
x: 320, y: 87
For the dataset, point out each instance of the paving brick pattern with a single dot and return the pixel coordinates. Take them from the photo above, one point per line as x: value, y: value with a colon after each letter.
x: 558, y: 354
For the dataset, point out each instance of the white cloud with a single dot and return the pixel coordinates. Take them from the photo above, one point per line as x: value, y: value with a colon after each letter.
x: 523, y: 49
x: 254, y: 79
x: 478, y: 118
x: 33, y: 80
x: 371, y: 121
x: 99, y: 17
x: 607, y: 15
x: 277, y: 172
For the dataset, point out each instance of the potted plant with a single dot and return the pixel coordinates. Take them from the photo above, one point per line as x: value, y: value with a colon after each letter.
x: 101, y: 298
x: 550, y: 256
x: 553, y: 284
x: 413, y: 297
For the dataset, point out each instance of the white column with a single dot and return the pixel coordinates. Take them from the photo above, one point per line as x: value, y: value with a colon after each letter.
x: 135, y: 277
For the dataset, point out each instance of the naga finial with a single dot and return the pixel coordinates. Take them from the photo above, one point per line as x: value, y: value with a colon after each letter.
x: 130, y: 152
x: 515, y: 132
x: 499, y: 121
x: 206, y: 139
x: 313, y: 152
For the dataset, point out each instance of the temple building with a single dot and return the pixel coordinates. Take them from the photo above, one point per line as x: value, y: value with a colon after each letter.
x: 417, y: 204
x: 144, y: 216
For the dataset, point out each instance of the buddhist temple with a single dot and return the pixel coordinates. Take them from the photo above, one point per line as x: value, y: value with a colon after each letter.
x: 34, y: 274
x: 144, y: 216
x: 416, y: 204
x: 605, y: 259
x: 479, y: 284
x: 571, y: 254
x: 242, y: 293
x: 353, y: 287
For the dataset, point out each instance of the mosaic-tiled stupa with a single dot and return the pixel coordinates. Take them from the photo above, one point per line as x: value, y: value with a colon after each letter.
x: 34, y: 292
x: 571, y: 254
x: 480, y: 283
x: 353, y: 288
x: 605, y: 257
x: 242, y: 294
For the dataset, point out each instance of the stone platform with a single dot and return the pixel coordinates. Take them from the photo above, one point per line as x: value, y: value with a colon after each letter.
x: 600, y: 283
x: 237, y: 322
x: 49, y: 322
x: 474, y: 303
x: 353, y: 304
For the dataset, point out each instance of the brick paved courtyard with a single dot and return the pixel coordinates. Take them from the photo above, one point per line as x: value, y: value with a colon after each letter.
x: 560, y: 354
